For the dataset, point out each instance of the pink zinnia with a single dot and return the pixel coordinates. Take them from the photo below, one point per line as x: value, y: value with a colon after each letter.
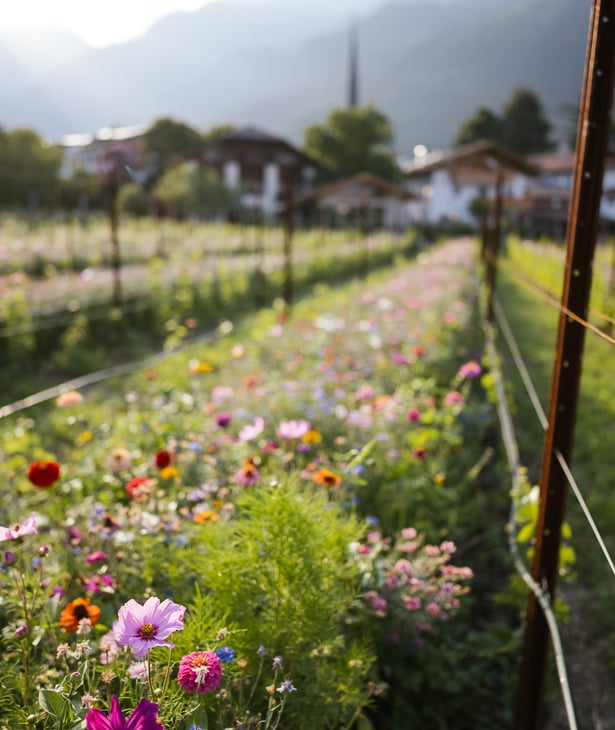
x: 142, y: 627
x: 199, y: 672
x: 143, y: 718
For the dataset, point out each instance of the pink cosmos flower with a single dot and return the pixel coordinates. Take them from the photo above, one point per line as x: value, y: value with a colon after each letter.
x: 142, y: 627
x: 200, y: 672
x: 252, y: 430
x: 413, y: 415
x: 293, y: 429
x: 143, y: 718
x: 27, y: 527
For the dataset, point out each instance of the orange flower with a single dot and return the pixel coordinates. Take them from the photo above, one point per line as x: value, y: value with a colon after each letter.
x: 326, y: 478
x: 76, y: 611
x: 44, y: 473
x: 206, y: 516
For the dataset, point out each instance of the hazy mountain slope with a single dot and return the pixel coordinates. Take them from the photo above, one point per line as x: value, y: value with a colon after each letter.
x: 427, y: 64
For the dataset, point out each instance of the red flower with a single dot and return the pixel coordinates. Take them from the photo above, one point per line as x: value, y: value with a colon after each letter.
x: 44, y: 473
x: 164, y: 458
x: 140, y: 488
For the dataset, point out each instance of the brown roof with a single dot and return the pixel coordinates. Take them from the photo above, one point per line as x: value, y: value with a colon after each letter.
x: 363, y: 187
x: 246, y: 140
x: 483, y: 154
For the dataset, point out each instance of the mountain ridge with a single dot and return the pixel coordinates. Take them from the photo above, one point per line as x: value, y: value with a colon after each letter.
x: 426, y: 65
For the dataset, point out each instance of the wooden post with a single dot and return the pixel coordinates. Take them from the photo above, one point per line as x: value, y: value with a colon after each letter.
x: 289, y: 213
x: 116, y: 261
x: 493, y: 244
x: 581, y: 236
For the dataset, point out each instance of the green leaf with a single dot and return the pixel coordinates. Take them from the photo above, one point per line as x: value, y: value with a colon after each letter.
x: 55, y: 704
x: 526, y: 533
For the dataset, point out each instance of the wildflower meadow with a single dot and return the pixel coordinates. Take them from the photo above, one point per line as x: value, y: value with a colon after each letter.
x: 295, y: 522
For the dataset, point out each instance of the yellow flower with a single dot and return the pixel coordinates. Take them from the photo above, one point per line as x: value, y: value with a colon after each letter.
x: 195, y: 367
x: 169, y: 472
x: 312, y: 437
x: 84, y: 437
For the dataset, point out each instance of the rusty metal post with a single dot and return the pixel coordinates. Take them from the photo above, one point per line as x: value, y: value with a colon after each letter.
x: 493, y: 244
x: 581, y: 236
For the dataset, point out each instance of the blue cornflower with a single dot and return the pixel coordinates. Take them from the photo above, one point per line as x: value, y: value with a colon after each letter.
x: 225, y: 654
x: 286, y: 687
x: 277, y: 662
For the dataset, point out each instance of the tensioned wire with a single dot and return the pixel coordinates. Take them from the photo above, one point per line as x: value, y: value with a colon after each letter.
x: 533, y: 395
x: 512, y: 455
x: 99, y: 376
x: 549, y: 298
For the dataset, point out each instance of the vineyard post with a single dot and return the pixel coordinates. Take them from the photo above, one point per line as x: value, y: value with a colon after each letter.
x: 493, y: 243
x: 581, y: 235
x: 289, y: 213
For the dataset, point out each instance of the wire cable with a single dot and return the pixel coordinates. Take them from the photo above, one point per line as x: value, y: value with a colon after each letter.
x: 550, y: 299
x: 519, y: 362
x: 531, y: 391
x: 99, y: 376
x: 512, y: 454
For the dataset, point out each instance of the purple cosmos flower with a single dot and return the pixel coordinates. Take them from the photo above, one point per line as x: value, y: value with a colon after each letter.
x: 293, y: 429
x: 96, y: 557
x: 143, y: 627
x: 143, y: 718
x: 27, y: 527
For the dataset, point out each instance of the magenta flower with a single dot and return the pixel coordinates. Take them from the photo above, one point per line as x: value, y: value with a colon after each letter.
x: 143, y: 718
x: 96, y: 557
x: 293, y: 429
x: 27, y: 527
x: 199, y: 672
x: 470, y: 369
x: 142, y: 627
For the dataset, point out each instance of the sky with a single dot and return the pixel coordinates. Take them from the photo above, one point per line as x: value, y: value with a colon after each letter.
x: 98, y: 22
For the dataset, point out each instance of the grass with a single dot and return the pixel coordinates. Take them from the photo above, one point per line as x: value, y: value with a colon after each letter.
x: 534, y: 322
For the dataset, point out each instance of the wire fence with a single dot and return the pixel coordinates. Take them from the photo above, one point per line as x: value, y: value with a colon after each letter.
x: 512, y: 451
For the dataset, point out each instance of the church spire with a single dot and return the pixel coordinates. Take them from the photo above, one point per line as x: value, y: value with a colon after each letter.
x: 353, y: 77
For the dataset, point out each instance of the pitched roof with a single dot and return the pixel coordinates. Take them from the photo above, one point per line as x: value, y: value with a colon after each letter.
x: 483, y: 154
x: 363, y: 187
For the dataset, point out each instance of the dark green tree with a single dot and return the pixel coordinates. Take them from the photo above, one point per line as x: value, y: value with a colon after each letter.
x: 166, y: 143
x: 352, y: 141
x: 28, y: 170
x: 525, y: 129
x: 189, y: 189
x: 485, y: 124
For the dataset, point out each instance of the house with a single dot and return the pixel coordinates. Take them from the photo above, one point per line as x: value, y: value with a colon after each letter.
x: 92, y: 153
x: 450, y: 180
x: 370, y: 199
x: 264, y: 169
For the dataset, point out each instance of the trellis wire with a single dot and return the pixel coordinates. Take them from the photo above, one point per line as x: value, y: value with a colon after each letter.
x: 533, y: 395
x: 512, y: 454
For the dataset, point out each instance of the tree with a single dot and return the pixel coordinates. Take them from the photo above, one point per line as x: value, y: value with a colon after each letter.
x: 352, y: 141
x: 522, y: 126
x: 485, y: 124
x: 187, y: 189
x: 525, y: 128
x: 28, y: 169
x: 167, y: 142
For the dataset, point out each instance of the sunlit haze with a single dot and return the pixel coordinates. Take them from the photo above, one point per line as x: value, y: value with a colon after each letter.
x: 97, y: 22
